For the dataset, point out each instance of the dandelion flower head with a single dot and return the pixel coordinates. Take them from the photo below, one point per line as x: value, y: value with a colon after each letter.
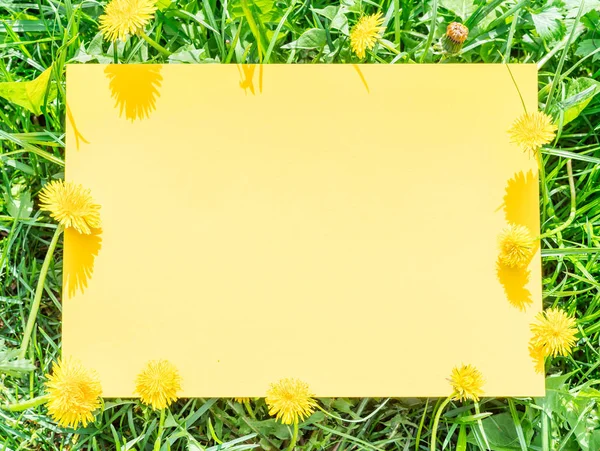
x: 554, y: 331
x: 290, y: 400
x: 467, y: 382
x: 124, y: 18
x: 71, y: 205
x: 532, y: 131
x: 365, y: 33
x: 73, y: 393
x: 516, y: 246
x: 158, y: 384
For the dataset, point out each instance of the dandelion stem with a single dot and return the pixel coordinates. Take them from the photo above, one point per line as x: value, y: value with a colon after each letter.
x: 390, y: 48
x: 571, y: 217
x: 161, y: 426
x: 249, y: 409
x: 35, y: 306
x: 294, y: 437
x: 436, y: 422
x: 24, y: 405
x: 155, y: 44
x: 480, y: 425
x: 517, y: 86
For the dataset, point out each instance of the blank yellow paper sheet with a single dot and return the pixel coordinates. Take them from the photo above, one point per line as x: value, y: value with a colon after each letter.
x: 333, y: 223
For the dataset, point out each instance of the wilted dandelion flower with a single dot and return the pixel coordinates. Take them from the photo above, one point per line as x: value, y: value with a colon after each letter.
x: 290, y: 400
x: 455, y: 37
x: 467, y: 382
x: 554, y: 331
x: 538, y: 356
x: 73, y: 393
x: 71, y: 205
x: 365, y: 33
x: 158, y: 384
x: 124, y: 18
x: 532, y: 131
x: 516, y: 246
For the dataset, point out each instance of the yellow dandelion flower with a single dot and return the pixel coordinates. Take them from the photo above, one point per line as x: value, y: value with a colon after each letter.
x: 71, y: 205
x: 532, y: 131
x: 290, y: 400
x: 516, y: 246
x: 365, y: 33
x: 158, y: 384
x: 554, y: 331
x: 124, y: 18
x: 73, y: 393
x: 467, y: 382
x: 241, y: 400
x: 538, y: 356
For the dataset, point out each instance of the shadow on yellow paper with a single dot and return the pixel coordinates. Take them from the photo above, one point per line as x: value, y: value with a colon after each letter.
x: 135, y: 88
x: 80, y: 254
x: 514, y: 281
x: 247, y: 77
x: 521, y: 199
x: 520, y: 208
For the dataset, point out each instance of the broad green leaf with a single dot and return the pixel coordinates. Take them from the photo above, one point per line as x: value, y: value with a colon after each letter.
x: 161, y: 5
x: 29, y: 94
x: 343, y: 405
x: 572, y: 7
x: 187, y: 54
x: 313, y: 38
x: 263, y: 9
x: 580, y: 93
x: 329, y: 11
x: 548, y: 23
x: 500, y: 432
x: 270, y: 427
x: 579, y: 412
x: 462, y: 8
x: 340, y: 22
x: 588, y: 46
x: 11, y: 364
x: 19, y: 208
x: 591, y: 20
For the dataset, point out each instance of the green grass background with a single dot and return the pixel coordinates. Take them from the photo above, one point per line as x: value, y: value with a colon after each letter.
x: 561, y: 37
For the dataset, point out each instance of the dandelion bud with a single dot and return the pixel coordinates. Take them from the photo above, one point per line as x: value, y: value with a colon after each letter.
x: 455, y: 37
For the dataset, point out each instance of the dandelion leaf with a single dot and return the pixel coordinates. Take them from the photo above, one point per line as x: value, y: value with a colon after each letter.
x: 30, y: 94
x: 580, y: 93
x: 11, y: 364
x: 462, y: 8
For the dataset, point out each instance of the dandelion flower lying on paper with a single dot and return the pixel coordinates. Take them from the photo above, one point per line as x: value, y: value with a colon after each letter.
x: 516, y: 246
x: 554, y: 331
x: 73, y: 393
x: 71, y: 205
x: 532, y: 131
x: 158, y: 384
x: 467, y: 382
